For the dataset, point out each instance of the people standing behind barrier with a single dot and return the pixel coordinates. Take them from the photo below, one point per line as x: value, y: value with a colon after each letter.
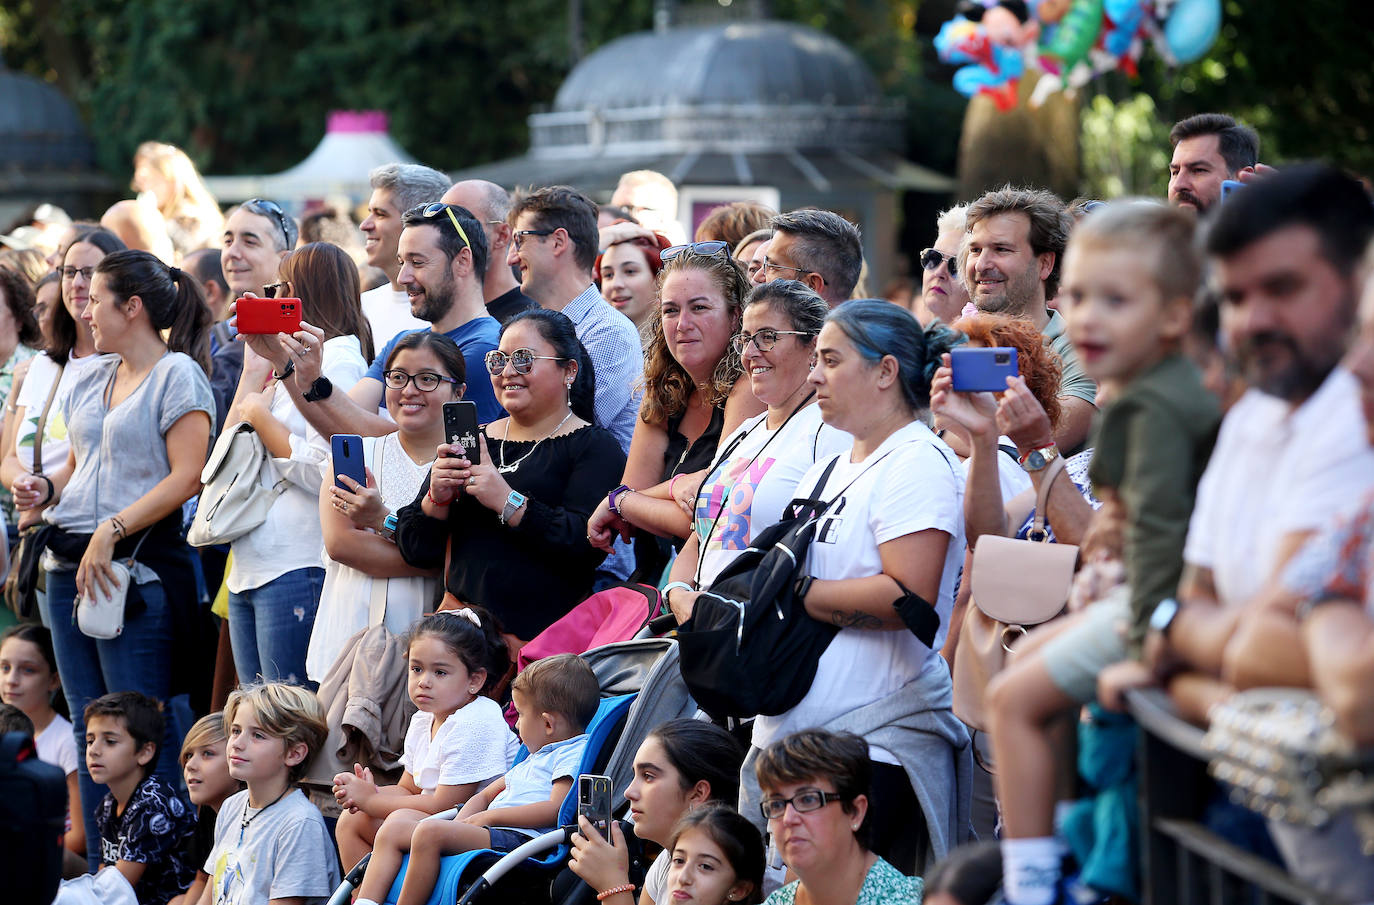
x: 522, y: 509
x: 818, y: 799
x: 883, y: 567
x: 755, y: 474
x: 277, y: 571
x: 359, y: 524
x: 692, y: 393
x: 118, y: 495
x: 681, y: 766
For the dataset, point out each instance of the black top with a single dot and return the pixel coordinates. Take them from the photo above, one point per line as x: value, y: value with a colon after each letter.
x: 509, y: 304
x: 652, y: 552
x: 531, y: 575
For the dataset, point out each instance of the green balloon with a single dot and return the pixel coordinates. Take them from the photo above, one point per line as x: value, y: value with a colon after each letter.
x: 1075, y: 35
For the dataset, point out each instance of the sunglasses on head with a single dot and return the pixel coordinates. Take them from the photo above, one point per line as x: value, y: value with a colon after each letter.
x: 434, y: 208
x: 521, y: 359
x: 705, y: 249
x: 274, y: 210
x: 931, y: 260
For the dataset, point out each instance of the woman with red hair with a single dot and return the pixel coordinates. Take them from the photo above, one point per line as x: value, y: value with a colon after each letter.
x: 627, y: 273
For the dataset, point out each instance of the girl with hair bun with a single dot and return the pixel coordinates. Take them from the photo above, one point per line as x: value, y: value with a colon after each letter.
x: 139, y: 421
x: 458, y: 740
x: 883, y: 569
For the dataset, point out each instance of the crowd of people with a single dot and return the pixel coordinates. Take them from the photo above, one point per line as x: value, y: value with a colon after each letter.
x: 1178, y: 393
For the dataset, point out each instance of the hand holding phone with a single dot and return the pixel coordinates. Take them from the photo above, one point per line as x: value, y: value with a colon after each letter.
x: 346, y: 450
x: 594, y: 802
x: 267, y: 316
x: 460, y: 429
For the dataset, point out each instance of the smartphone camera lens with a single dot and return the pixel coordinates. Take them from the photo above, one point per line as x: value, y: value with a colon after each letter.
x: 1002, y: 358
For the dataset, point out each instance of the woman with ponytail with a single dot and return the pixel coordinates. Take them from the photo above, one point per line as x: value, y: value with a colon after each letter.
x: 139, y: 421
x: 883, y: 568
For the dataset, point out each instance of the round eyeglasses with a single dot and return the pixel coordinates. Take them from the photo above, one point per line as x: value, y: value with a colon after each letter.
x: 805, y: 801
x: 425, y: 381
x: 931, y: 260
x: 521, y: 359
x: 764, y: 340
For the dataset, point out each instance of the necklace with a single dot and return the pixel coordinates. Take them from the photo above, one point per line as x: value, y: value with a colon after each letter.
x: 503, y: 468
x: 247, y: 819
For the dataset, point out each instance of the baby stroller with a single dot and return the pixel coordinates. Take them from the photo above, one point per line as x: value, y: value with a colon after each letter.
x: 641, y: 687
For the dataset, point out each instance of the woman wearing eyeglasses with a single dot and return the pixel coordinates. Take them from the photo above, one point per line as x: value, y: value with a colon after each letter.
x: 943, y: 294
x: 423, y: 371
x: 692, y: 396
x: 277, y: 571
x: 755, y: 475
x: 514, y: 520
x: 816, y: 801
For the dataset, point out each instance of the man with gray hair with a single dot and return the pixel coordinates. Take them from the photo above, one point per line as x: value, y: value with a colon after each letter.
x: 1010, y: 260
x: 819, y: 248
x: 491, y: 205
x: 396, y: 188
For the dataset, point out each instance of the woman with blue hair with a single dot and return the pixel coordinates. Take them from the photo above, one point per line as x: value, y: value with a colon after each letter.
x: 883, y: 567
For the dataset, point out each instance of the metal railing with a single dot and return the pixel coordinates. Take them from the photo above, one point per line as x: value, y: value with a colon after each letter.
x: 1184, y: 861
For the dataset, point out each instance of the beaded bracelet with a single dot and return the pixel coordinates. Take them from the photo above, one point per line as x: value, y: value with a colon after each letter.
x: 614, y: 890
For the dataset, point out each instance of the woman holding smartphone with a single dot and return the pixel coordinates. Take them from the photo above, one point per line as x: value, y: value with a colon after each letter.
x: 277, y: 572
x: 522, y: 509
x: 423, y: 371
x: 119, y: 493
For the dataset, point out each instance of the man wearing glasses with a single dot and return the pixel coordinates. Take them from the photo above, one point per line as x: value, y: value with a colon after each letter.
x: 396, y: 188
x: 555, y: 245
x: 491, y: 204
x: 819, y: 248
x: 443, y: 255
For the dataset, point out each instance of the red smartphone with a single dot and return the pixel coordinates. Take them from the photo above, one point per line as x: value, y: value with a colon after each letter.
x: 269, y: 316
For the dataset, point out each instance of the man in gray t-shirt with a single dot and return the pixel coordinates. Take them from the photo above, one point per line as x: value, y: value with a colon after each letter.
x: 283, y: 851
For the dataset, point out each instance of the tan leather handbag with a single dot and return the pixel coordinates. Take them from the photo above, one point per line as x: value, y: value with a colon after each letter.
x: 1015, y: 585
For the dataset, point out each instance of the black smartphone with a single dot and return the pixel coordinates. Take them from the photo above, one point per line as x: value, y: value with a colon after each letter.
x: 982, y: 370
x: 594, y: 802
x: 460, y: 428
x: 347, y: 452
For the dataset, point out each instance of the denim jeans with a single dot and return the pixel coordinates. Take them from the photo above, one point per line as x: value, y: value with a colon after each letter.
x: 140, y: 659
x: 270, y: 626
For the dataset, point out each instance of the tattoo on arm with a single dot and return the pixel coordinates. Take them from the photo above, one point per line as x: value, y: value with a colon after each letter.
x: 855, y: 619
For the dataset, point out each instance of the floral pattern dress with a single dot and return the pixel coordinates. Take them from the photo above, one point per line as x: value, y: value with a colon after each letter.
x: 884, y: 885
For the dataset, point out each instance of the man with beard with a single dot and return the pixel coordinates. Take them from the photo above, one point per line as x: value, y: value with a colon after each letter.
x: 1291, y: 455
x: 443, y: 255
x: 1208, y: 149
x: 1010, y: 260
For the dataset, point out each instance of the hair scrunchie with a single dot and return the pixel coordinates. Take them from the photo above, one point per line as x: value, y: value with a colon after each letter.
x: 175, y: 274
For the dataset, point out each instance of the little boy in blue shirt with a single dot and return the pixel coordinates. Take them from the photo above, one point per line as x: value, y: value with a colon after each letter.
x: 555, y: 698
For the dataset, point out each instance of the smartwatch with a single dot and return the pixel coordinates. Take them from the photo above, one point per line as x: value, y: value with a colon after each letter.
x: 513, y: 504
x: 1166, y: 611
x: 388, y: 529
x: 320, y: 389
x: 1037, y: 459
x: 613, y: 498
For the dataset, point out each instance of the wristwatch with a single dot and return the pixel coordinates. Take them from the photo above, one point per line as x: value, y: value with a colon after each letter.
x: 320, y: 389
x: 286, y: 371
x: 1038, y: 458
x: 1163, y: 616
x: 672, y: 586
x: 513, y: 504
x: 388, y: 529
x: 613, y: 498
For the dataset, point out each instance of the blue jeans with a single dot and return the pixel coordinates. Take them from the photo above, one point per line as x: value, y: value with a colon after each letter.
x: 269, y: 627
x: 140, y: 659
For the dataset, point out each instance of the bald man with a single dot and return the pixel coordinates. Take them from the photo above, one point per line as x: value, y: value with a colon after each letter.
x: 491, y: 205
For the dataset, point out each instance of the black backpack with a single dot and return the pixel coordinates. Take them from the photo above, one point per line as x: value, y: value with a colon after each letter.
x: 33, y: 812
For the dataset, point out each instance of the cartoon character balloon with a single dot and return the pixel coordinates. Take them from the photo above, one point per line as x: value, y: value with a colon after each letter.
x: 993, y: 40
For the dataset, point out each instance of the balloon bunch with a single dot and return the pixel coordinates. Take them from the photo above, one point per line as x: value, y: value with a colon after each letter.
x: 1071, y: 41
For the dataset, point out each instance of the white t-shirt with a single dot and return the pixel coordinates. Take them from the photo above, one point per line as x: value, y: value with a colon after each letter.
x: 910, y: 483
x: 1011, y: 477
x: 531, y: 781
x: 346, y: 598
x: 388, y: 312
x: 56, y: 745
x: 1275, y: 471
x: 755, y: 488
x: 32, y: 395
x: 656, y: 877
x: 290, y: 538
x: 473, y: 745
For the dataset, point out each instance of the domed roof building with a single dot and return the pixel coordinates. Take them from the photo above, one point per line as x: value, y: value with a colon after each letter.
x: 774, y: 106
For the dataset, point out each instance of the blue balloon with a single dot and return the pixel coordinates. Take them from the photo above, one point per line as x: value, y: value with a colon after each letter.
x: 1192, y: 28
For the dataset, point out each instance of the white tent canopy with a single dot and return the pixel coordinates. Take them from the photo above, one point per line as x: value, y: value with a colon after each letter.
x: 354, y: 143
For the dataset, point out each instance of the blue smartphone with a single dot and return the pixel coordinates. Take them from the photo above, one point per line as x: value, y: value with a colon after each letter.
x: 347, y: 453
x: 1228, y: 186
x: 982, y: 370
